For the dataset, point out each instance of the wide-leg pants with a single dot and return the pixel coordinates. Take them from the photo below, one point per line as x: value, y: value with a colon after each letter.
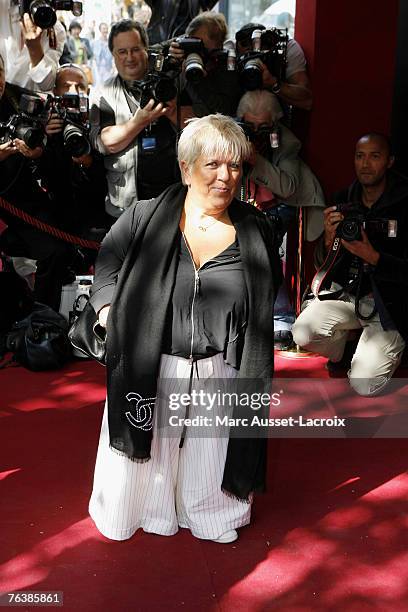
x: 323, y: 326
x: 177, y: 487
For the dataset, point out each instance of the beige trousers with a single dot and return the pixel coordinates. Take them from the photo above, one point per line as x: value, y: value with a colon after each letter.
x: 323, y: 328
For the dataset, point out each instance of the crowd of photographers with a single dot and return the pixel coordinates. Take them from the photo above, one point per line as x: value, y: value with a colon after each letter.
x: 75, y: 158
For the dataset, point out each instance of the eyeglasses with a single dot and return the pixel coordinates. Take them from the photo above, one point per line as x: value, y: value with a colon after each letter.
x: 122, y: 53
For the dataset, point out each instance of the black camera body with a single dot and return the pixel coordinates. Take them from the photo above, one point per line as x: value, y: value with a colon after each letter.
x: 269, y: 47
x: 160, y: 81
x: 262, y: 138
x: 43, y: 12
x: 27, y: 124
x: 74, y: 110
x: 355, y: 220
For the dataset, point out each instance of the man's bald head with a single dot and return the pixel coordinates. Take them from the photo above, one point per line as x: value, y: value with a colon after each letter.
x: 372, y: 159
x: 71, y: 79
x: 381, y: 140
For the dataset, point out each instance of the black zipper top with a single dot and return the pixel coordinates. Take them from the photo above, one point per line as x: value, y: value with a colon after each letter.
x: 209, y: 307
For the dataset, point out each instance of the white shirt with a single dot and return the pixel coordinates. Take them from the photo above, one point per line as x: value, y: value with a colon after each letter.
x: 19, y: 69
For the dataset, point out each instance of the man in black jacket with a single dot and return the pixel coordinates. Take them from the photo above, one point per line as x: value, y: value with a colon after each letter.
x: 372, y: 269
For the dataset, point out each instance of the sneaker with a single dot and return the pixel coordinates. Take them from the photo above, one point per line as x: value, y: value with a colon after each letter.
x: 227, y: 537
x: 283, y: 339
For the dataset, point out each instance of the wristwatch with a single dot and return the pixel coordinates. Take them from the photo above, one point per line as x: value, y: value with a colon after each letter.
x: 277, y: 87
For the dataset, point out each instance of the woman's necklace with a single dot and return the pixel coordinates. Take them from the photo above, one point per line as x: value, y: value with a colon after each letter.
x: 204, y: 228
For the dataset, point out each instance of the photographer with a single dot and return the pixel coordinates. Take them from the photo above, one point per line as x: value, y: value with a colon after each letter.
x: 277, y: 181
x: 135, y: 139
x: 370, y: 234
x: 19, y: 185
x: 218, y: 91
x: 31, y: 53
x: 72, y: 173
x: 295, y: 89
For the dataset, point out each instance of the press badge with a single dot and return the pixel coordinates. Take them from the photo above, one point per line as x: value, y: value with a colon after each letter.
x: 148, y: 143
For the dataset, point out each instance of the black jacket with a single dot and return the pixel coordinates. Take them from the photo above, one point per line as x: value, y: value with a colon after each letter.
x: 135, y: 273
x: 389, y: 278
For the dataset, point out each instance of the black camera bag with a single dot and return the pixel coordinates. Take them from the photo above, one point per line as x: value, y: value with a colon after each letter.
x: 40, y: 340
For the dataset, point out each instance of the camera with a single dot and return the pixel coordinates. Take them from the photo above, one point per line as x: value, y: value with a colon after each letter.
x: 74, y: 110
x: 160, y: 81
x: 26, y: 124
x: 349, y: 228
x: 262, y: 138
x: 267, y: 47
x: 195, y: 53
x: 43, y: 12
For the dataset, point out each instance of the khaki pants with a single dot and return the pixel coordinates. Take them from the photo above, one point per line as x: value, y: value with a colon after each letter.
x: 323, y: 328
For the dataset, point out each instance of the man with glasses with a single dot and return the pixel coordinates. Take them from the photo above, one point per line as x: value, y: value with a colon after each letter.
x: 133, y: 139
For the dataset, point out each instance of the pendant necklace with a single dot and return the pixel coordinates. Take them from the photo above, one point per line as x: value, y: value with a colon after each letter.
x: 204, y: 228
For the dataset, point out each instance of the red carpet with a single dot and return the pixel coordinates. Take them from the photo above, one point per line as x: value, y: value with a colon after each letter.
x: 330, y: 534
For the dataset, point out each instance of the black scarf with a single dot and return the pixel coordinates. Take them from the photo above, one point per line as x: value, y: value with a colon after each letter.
x: 136, y: 327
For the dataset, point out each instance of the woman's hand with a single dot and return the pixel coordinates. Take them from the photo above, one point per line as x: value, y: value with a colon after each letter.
x: 331, y: 220
x: 6, y: 150
x: 103, y: 315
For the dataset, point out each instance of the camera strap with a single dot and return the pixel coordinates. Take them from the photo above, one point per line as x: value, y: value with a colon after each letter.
x: 322, y: 279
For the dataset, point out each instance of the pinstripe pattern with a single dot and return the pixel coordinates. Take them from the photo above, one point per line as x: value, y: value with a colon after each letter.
x: 177, y: 487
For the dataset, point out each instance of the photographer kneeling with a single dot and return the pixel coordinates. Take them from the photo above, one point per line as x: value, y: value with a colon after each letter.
x: 369, y: 230
x: 19, y: 186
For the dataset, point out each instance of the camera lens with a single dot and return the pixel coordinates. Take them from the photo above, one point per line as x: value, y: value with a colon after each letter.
x: 251, y: 75
x: 42, y: 14
x: 194, y: 68
x: 75, y: 141
x: 350, y: 230
x: 164, y: 90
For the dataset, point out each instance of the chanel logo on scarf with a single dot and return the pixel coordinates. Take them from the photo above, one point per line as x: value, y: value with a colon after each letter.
x: 142, y: 413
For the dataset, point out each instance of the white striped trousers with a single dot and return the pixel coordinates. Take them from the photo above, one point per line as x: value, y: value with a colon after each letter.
x: 177, y: 487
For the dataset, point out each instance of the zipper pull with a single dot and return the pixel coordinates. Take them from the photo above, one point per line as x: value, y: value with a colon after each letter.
x: 197, y: 281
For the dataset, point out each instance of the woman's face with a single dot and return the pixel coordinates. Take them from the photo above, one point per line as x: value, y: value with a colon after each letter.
x: 213, y: 179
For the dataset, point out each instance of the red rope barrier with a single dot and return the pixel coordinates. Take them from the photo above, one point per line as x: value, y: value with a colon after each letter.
x: 49, y: 229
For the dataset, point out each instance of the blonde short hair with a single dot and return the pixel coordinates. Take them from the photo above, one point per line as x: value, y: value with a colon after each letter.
x: 212, y: 135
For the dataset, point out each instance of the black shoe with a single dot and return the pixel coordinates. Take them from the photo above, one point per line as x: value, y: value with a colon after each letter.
x: 283, y: 339
x: 336, y: 367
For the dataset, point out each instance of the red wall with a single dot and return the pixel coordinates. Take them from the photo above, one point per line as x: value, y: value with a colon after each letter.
x: 350, y: 48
